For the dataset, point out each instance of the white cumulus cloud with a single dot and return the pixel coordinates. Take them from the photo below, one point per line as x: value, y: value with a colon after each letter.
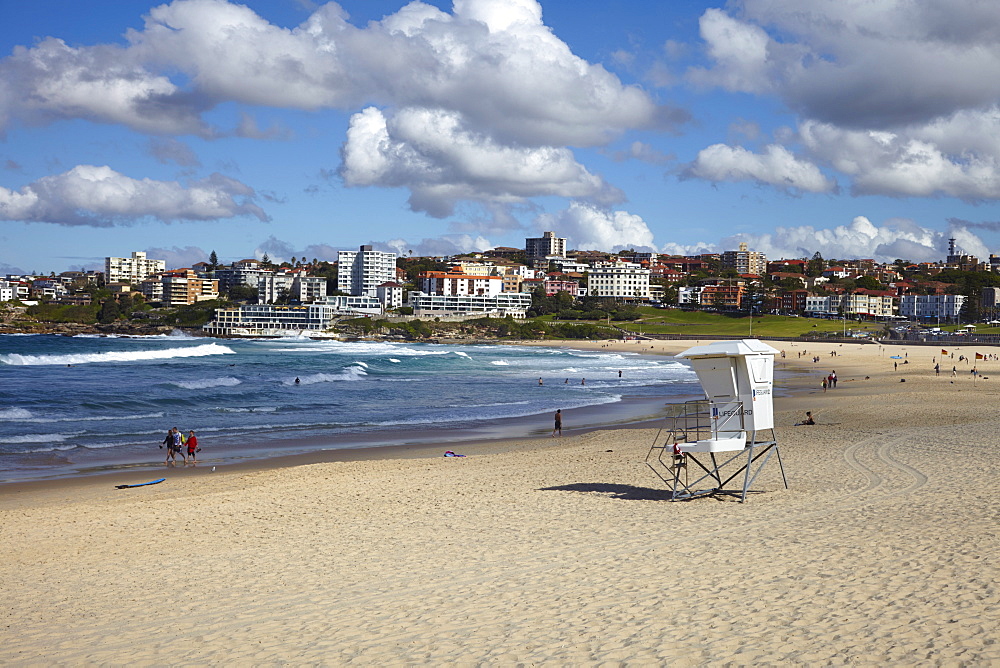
x: 776, y: 166
x: 101, y: 197
x: 441, y: 161
x: 897, y: 238
x: 592, y: 227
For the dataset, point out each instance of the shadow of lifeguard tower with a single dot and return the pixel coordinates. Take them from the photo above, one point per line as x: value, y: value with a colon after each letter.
x: 729, y: 435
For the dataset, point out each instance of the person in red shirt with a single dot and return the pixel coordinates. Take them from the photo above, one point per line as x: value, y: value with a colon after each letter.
x: 192, y: 445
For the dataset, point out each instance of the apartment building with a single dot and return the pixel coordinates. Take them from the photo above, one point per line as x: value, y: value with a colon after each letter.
x: 619, y: 280
x: 8, y: 291
x: 744, y: 261
x: 864, y: 303
x: 273, y: 286
x: 360, y: 272
x: 556, y: 284
x: 131, y: 269
x: 945, y: 307
x: 727, y: 296
x: 247, y: 272
x: 390, y: 294
x: 500, y: 305
x: 178, y: 287
x: 548, y: 245
x: 459, y: 284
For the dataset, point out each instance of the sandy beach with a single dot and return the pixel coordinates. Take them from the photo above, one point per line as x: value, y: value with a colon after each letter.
x: 547, y: 551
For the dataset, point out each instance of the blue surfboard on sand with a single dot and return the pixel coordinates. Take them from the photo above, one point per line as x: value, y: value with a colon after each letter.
x: 141, y: 484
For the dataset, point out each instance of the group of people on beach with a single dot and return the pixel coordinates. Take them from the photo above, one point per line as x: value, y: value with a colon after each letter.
x: 179, y: 444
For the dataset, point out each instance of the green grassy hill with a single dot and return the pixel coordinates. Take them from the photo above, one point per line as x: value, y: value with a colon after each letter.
x: 676, y: 321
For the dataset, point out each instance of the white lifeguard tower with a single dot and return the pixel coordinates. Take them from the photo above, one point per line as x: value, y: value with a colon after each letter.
x: 736, y: 419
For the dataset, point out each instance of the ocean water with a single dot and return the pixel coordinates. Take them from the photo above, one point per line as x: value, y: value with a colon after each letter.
x: 72, y: 405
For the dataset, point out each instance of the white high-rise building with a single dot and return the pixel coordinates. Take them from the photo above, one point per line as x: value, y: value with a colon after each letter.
x: 361, y: 272
x: 133, y: 269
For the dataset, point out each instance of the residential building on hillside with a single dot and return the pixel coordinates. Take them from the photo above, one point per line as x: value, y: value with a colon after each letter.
x: 504, y: 252
x: 456, y: 283
x: 792, y: 301
x: 131, y: 269
x: 822, y: 305
x: 501, y: 305
x: 360, y: 272
x: 48, y: 287
x: 689, y: 295
x: 178, y: 287
x: 390, y: 294
x: 945, y: 307
x: 619, y: 280
x: 309, y: 289
x: 8, y: 291
x: 273, y: 286
x: 538, y: 250
x: 724, y: 295
x: 744, y: 261
x: 475, y: 268
x: 560, y: 283
x: 571, y: 265
x: 247, y: 272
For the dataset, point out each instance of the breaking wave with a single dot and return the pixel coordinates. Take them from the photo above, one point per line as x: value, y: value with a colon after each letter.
x: 204, y: 350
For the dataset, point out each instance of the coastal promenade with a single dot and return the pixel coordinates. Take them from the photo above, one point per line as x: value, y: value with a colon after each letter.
x: 548, y: 551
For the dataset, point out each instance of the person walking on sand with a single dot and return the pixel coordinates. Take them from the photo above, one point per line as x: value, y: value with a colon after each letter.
x: 557, y: 429
x: 179, y: 444
x: 192, y: 446
x: 173, y: 447
x: 824, y: 383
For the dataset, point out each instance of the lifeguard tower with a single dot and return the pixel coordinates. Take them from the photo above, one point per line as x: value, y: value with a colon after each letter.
x: 730, y: 432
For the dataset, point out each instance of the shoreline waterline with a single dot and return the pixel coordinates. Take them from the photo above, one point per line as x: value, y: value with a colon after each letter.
x: 628, y: 412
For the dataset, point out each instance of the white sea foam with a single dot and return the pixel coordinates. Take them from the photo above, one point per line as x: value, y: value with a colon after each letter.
x: 38, y: 438
x: 362, y: 364
x: 394, y: 360
x: 116, y: 356
x: 54, y: 448
x: 14, y: 414
x: 92, y: 418
x: 255, y: 409
x: 500, y: 363
x: 180, y: 334
x: 460, y: 353
x: 206, y: 383
x: 349, y: 373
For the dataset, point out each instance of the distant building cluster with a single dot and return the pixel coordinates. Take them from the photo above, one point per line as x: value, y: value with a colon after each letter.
x: 501, y: 283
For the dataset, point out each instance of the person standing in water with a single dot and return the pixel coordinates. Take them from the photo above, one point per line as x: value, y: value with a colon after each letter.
x: 192, y: 446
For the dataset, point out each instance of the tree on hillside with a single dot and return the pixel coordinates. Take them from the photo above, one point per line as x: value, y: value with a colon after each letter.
x: 213, y: 260
x: 109, y: 312
x: 816, y: 265
x: 868, y: 283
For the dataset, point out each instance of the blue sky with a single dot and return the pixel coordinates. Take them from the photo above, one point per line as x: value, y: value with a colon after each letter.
x: 296, y: 128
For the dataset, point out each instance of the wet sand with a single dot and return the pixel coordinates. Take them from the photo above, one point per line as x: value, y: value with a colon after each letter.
x: 542, y: 550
